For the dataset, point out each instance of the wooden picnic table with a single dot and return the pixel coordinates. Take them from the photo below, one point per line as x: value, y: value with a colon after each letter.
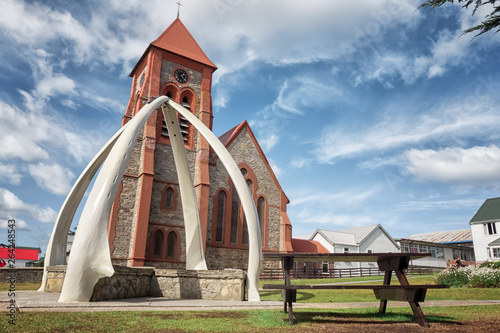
x: 387, y: 262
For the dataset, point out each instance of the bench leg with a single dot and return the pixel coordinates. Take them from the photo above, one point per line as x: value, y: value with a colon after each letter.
x: 419, y: 314
x: 387, y: 281
x: 290, y: 313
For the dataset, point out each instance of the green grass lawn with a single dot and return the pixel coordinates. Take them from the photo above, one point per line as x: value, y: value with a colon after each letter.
x: 354, y: 295
x: 232, y: 321
x: 261, y: 320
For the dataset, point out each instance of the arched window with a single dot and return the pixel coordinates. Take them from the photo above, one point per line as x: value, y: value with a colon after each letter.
x: 261, y: 211
x: 171, y: 244
x: 221, y: 207
x: 169, y: 198
x: 235, y: 216
x: 158, y: 244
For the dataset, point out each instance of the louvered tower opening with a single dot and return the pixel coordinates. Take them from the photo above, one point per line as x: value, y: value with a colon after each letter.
x: 183, y: 122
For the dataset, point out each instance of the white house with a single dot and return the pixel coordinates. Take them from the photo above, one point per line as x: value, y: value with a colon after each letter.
x: 485, y: 225
x: 367, y: 239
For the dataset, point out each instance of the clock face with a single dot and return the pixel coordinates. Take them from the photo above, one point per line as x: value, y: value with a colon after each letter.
x: 181, y: 76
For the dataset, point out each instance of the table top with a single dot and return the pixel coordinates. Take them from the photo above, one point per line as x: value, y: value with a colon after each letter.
x: 345, y: 257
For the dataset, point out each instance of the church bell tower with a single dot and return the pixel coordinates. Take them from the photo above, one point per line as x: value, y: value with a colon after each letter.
x: 146, y: 225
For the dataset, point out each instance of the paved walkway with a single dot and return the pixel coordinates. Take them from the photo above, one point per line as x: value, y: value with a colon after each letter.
x: 45, y: 302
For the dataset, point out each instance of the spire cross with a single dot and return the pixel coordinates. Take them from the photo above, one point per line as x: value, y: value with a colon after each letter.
x: 178, y: 7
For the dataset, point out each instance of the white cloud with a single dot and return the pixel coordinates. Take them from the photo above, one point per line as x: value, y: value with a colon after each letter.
x: 9, y: 173
x: 435, y: 205
x: 52, y: 178
x: 300, y: 163
x: 11, y: 206
x: 30, y: 135
x: 55, y: 85
x: 334, y: 221
x: 19, y: 224
x: 276, y: 169
x: 289, y: 104
x: 352, y: 198
x: 473, y: 166
x: 449, y: 49
x: 455, y: 120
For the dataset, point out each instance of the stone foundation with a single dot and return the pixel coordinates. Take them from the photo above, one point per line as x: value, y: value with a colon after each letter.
x: 23, y: 274
x: 128, y: 282
x: 226, y: 285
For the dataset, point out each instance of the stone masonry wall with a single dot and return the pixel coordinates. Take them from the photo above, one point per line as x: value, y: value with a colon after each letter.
x: 243, y: 150
x: 129, y: 199
x: 223, y: 285
x: 223, y: 258
x: 129, y: 282
x: 23, y: 274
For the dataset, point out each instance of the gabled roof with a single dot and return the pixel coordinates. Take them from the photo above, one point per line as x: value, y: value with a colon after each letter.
x: 352, y: 236
x: 489, y: 211
x: 451, y: 236
x: 307, y: 246
x: 228, y: 137
x: 494, y: 243
x: 336, y: 237
x: 177, y: 39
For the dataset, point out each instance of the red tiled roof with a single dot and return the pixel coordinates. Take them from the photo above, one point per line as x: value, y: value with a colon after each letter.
x: 307, y: 246
x: 177, y: 39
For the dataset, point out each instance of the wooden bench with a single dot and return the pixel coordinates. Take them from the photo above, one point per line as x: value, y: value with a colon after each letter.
x: 387, y: 262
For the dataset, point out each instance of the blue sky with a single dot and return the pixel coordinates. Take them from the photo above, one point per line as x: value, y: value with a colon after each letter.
x: 369, y: 111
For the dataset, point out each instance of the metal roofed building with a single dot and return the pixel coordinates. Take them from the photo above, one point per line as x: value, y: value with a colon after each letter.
x: 443, y: 246
x: 462, y: 237
x: 485, y: 225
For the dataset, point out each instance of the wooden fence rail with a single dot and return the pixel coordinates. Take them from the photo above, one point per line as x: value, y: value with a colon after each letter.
x: 277, y: 273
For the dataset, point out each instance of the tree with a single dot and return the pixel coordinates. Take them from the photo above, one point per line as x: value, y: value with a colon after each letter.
x: 491, y: 21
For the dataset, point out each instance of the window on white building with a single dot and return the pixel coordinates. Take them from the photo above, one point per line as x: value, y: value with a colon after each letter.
x: 405, y: 248
x: 496, y: 252
x: 490, y: 229
x: 346, y: 250
x: 439, y: 253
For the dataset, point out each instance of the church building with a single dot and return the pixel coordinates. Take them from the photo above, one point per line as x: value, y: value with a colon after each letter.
x: 146, y: 225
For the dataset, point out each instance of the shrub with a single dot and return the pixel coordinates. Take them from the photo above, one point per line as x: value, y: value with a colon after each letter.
x: 490, y: 264
x: 470, y: 276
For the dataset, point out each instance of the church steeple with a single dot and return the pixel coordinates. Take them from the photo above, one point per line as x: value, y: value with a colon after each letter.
x: 173, y: 65
x: 177, y: 39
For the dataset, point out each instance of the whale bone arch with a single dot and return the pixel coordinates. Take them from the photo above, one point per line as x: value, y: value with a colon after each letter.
x: 90, y: 257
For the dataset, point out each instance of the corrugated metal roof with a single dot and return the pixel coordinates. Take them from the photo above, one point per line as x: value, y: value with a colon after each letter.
x: 462, y: 235
x: 489, y: 211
